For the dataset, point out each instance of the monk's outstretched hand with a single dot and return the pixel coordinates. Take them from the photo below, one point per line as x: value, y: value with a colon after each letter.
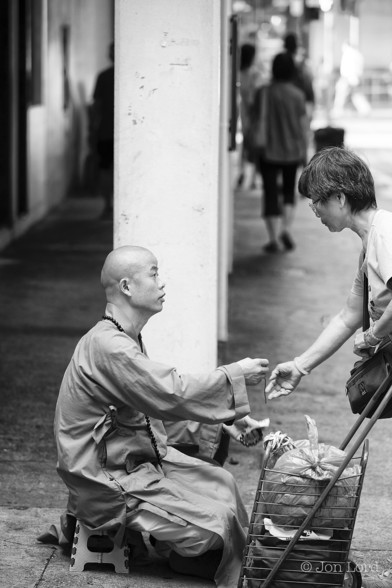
x: 254, y: 370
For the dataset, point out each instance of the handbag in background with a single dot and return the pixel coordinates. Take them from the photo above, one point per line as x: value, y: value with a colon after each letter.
x: 259, y: 125
x: 368, y: 375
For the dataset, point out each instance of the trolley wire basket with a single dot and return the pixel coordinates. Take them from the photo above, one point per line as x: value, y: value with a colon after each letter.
x: 307, y: 545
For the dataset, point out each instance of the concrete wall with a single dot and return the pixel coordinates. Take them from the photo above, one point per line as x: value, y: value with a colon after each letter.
x: 57, y: 137
x: 90, y: 32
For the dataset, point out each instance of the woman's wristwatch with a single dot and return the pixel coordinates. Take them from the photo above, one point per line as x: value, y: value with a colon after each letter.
x: 370, y: 338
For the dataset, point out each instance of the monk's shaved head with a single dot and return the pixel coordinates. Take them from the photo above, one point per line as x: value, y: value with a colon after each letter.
x: 123, y: 262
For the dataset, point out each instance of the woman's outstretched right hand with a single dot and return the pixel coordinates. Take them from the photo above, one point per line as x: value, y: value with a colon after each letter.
x: 283, y: 380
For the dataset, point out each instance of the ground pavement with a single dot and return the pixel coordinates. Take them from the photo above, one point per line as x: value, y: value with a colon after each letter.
x: 50, y: 295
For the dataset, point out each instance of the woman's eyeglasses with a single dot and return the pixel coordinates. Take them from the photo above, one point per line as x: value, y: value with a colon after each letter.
x: 313, y: 204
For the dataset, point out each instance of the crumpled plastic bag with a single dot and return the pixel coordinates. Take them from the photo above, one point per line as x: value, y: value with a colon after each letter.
x: 299, y: 477
x: 277, y: 443
x: 310, y: 458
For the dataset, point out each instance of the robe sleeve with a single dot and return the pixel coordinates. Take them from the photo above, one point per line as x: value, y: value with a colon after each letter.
x: 124, y: 374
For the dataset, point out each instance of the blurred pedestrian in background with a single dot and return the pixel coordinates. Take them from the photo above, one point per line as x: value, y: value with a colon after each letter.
x: 279, y: 136
x: 347, y: 87
x: 303, y: 77
x: 103, y: 132
x: 250, y: 80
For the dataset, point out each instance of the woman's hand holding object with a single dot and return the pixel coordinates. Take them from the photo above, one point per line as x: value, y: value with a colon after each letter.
x: 364, y: 341
x: 361, y: 347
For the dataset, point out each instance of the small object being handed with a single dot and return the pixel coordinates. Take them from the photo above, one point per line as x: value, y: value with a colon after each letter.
x: 247, y: 431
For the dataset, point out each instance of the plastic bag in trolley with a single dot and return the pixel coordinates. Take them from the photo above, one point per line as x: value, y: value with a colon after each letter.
x: 299, y: 477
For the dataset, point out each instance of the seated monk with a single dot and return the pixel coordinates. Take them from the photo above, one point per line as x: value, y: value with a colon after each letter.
x: 113, y: 454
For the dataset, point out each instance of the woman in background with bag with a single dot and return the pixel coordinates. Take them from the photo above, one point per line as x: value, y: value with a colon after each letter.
x: 341, y: 191
x: 279, y: 143
x: 251, y: 78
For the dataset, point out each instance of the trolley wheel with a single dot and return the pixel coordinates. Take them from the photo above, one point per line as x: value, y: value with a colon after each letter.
x: 352, y: 578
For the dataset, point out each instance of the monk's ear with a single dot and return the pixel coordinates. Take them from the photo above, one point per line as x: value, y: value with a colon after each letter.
x: 124, y: 287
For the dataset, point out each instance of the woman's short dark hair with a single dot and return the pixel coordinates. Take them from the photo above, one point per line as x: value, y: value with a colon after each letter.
x: 337, y: 170
x: 283, y: 67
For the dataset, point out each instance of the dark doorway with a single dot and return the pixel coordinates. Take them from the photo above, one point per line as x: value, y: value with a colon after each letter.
x: 5, y: 116
x: 24, y: 28
x: 15, y: 23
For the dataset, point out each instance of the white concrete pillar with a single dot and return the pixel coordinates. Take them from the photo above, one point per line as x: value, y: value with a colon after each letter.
x: 225, y: 199
x: 166, y: 164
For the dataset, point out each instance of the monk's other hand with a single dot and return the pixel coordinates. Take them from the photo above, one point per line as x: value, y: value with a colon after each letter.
x: 247, y: 431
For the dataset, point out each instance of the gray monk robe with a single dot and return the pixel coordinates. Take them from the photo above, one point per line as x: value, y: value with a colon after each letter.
x: 105, y: 453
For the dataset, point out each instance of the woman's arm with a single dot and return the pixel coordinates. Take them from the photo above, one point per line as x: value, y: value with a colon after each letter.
x: 286, y: 376
x: 338, y: 330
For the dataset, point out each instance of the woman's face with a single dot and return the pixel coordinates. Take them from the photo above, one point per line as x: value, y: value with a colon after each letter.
x: 331, y: 212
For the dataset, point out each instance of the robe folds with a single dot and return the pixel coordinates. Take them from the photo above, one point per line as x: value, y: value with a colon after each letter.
x: 105, y: 452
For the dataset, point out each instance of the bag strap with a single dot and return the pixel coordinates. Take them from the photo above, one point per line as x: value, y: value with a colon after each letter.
x: 264, y: 105
x: 365, y: 309
x: 260, y: 105
x: 365, y: 312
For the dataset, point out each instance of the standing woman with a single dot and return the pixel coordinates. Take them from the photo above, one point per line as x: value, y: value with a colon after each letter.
x: 280, y: 148
x: 341, y: 193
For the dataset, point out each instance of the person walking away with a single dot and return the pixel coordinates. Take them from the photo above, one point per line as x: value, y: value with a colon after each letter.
x: 250, y: 80
x: 302, y: 78
x: 280, y: 148
x: 103, y: 131
x: 348, y: 85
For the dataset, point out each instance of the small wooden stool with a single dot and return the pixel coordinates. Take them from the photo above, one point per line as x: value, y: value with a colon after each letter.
x: 94, y: 547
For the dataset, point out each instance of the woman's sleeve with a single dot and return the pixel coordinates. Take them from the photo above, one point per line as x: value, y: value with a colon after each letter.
x: 357, y: 285
x: 384, y: 258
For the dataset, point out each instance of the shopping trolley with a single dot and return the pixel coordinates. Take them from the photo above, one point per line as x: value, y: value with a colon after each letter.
x: 307, y: 554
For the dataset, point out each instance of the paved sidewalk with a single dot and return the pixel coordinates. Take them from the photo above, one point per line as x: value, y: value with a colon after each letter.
x: 50, y: 296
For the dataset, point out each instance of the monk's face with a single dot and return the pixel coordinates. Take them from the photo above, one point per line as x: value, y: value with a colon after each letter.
x: 147, y: 289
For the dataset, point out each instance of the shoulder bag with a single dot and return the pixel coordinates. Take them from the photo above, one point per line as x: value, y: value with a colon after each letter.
x: 367, y: 375
x: 260, y: 116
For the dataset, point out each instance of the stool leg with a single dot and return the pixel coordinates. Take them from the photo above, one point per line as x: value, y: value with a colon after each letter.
x: 119, y: 558
x: 82, y: 554
x: 79, y: 553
